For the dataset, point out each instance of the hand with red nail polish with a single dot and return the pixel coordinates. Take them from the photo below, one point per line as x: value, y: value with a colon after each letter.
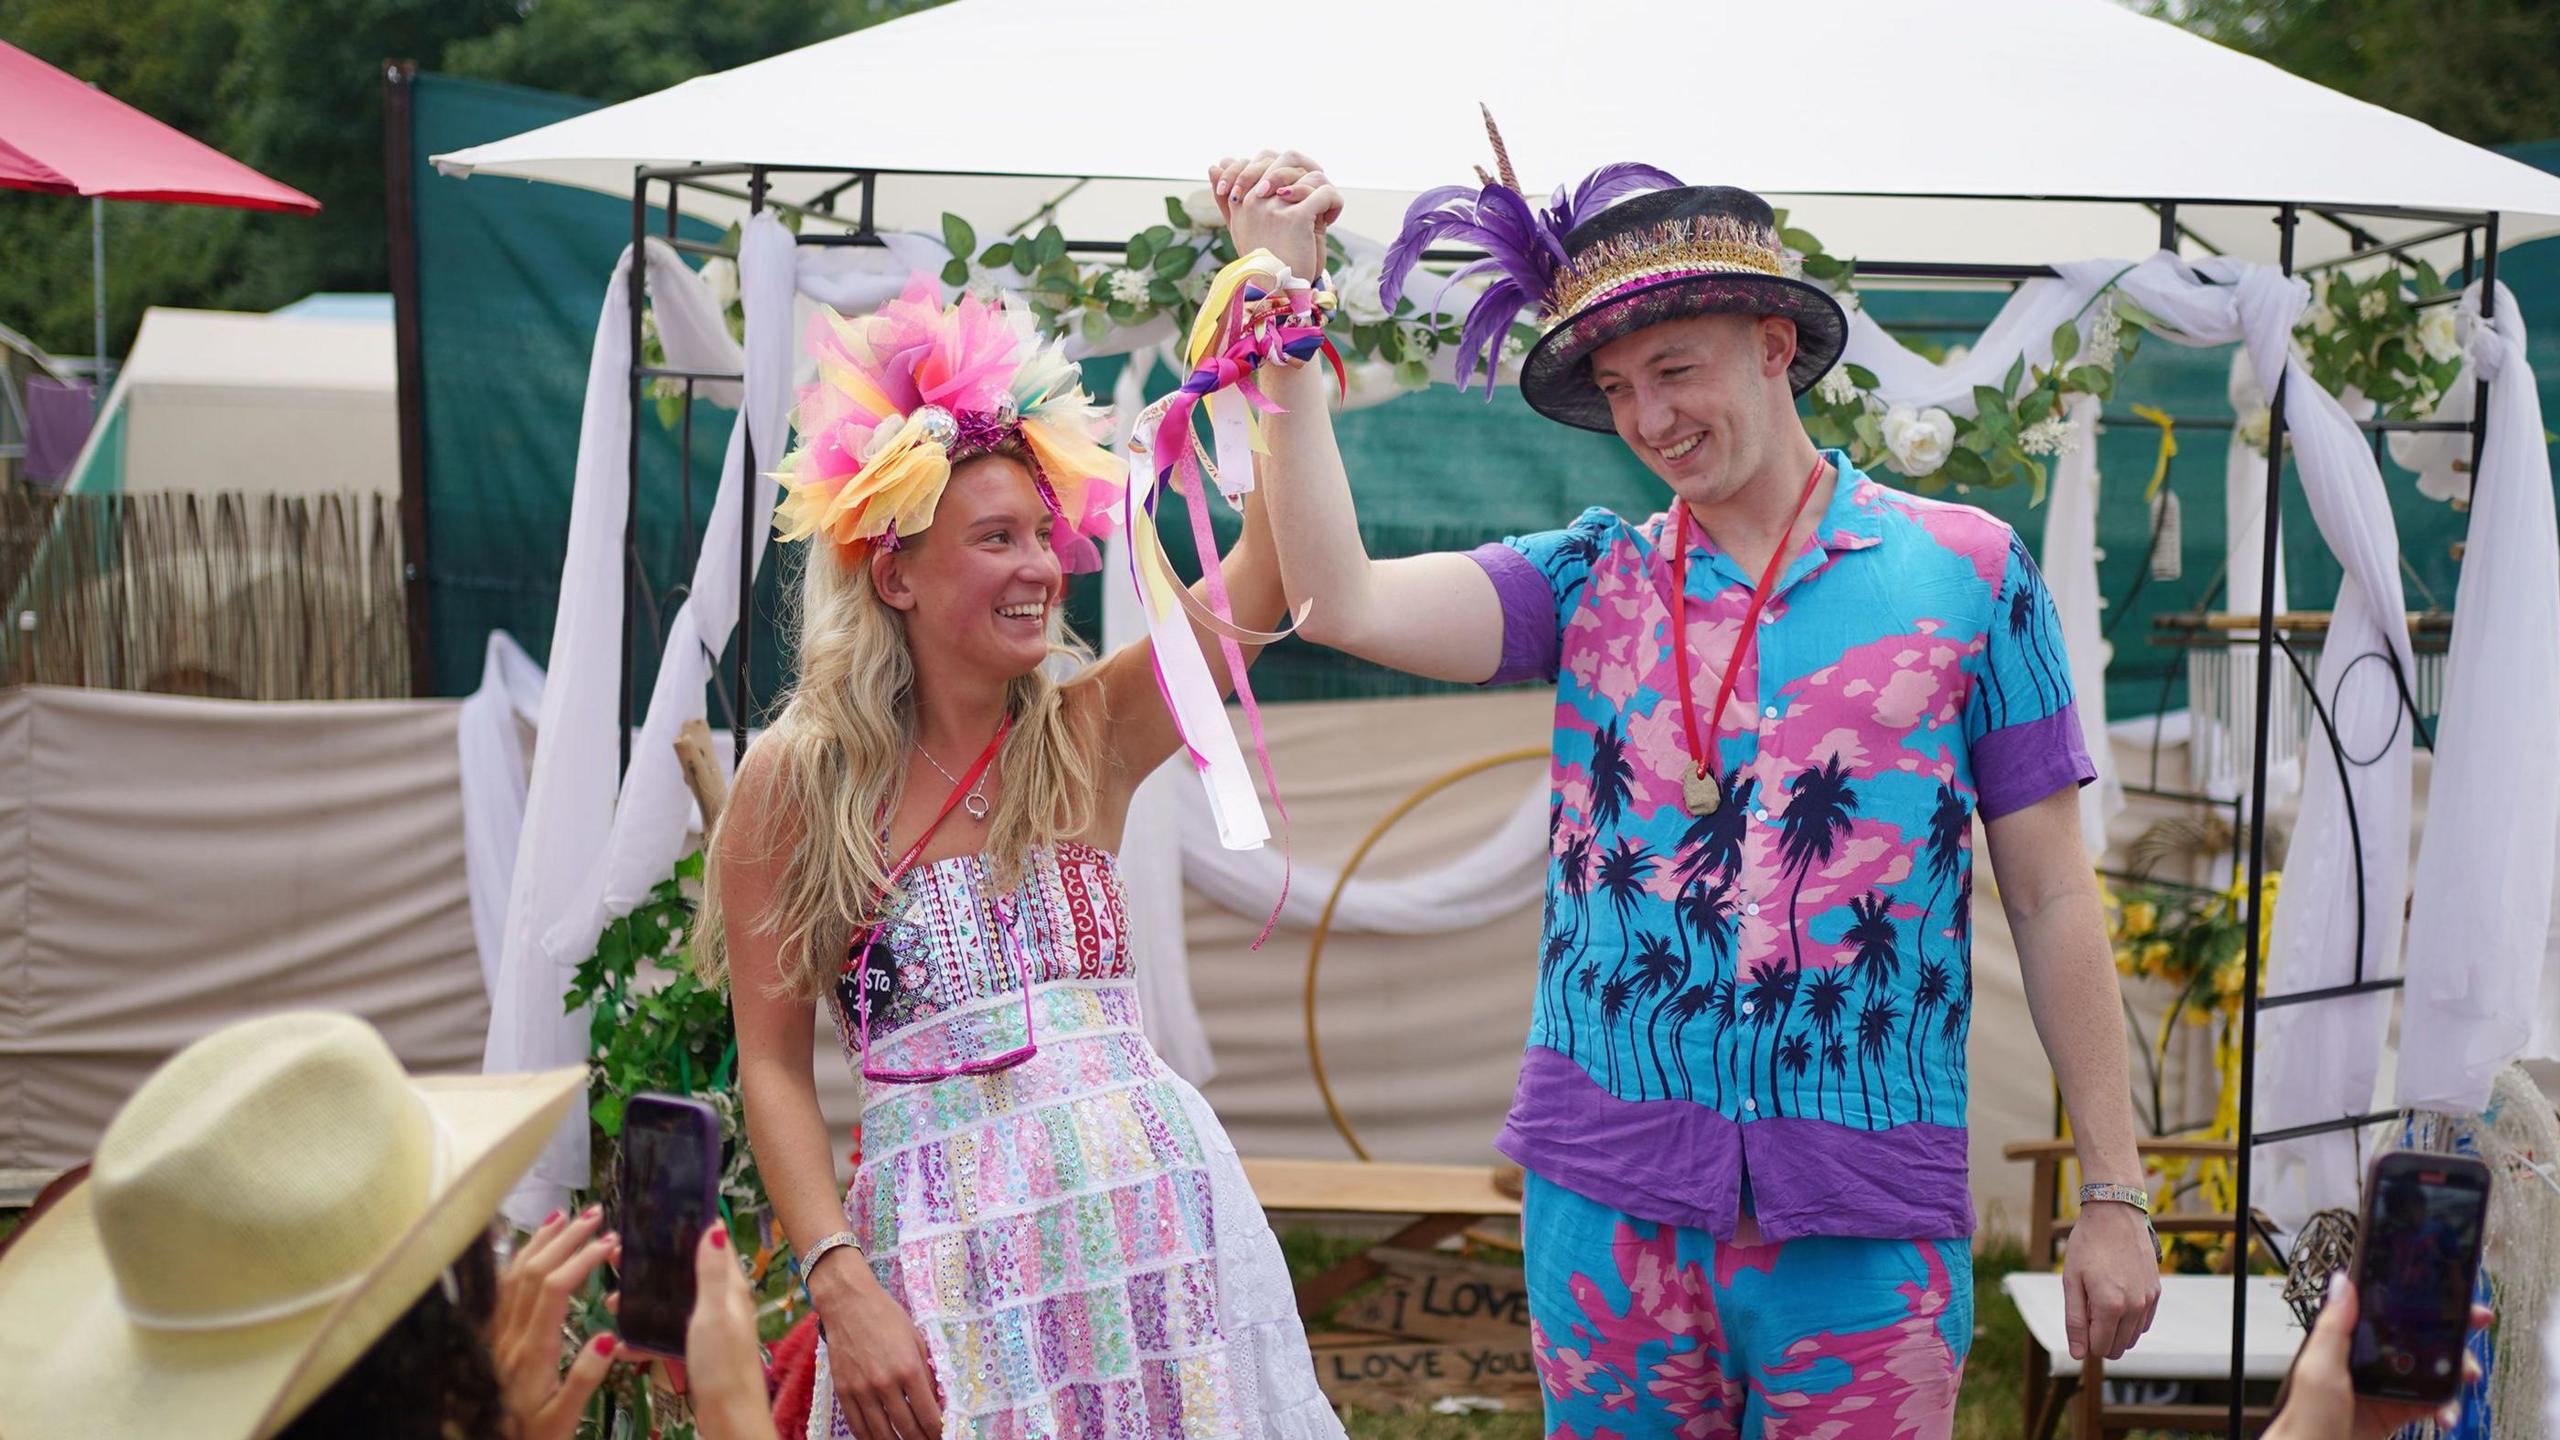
x: 725, y: 1366
x: 534, y: 1292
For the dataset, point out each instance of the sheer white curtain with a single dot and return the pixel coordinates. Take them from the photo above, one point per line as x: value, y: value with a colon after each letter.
x: 2319, y: 1061
x: 2482, y: 974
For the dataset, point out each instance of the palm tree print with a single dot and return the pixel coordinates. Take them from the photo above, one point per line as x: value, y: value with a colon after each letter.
x: 1623, y: 869
x: 1721, y: 994
x: 1612, y: 777
x: 2027, y: 607
x: 1835, y: 1058
x: 1950, y: 826
x: 1877, y: 939
x: 1613, y: 1003
x: 1685, y: 1007
x: 1576, y: 553
x: 1795, y: 1053
x: 1772, y: 986
x: 1574, y: 863
x: 1875, y: 1032
x: 1817, y: 818
x: 1935, y: 985
x: 1826, y: 1003
x: 1659, y: 973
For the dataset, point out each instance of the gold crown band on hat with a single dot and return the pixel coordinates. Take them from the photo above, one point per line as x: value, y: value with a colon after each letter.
x: 1716, y: 244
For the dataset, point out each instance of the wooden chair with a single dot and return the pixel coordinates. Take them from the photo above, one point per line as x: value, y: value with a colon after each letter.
x: 2190, y: 1336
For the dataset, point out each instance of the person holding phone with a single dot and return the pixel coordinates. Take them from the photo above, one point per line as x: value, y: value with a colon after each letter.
x: 1047, y: 1232
x: 283, y: 1234
x: 2321, y: 1401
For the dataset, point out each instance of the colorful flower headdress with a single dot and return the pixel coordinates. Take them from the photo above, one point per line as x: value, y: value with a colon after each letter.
x: 905, y: 393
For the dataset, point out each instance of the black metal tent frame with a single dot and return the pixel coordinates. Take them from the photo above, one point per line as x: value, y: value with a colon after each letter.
x: 2478, y: 230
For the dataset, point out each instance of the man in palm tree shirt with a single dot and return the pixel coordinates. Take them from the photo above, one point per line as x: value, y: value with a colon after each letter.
x: 1742, y: 1107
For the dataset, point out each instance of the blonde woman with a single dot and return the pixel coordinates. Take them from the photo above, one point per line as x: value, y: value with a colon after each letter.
x: 1047, y: 1233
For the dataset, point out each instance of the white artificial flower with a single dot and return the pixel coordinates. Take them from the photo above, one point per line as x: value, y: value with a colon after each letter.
x: 1835, y: 387
x: 1202, y: 207
x: 2050, y: 436
x: 1848, y: 299
x: 2371, y: 305
x: 1507, y: 364
x: 1957, y: 355
x: 1918, y: 440
x: 2437, y: 335
x: 1129, y: 286
x: 1358, y: 289
x: 720, y: 277
x: 2252, y: 429
x: 2106, y: 332
x: 1194, y: 287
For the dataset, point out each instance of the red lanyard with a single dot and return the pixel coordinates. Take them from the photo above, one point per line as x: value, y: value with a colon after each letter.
x: 907, y: 861
x: 1702, y: 755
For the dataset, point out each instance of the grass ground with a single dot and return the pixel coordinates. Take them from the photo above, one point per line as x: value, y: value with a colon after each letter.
x: 1986, y: 1410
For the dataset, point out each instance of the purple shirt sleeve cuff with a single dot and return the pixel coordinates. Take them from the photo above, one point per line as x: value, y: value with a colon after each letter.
x: 1528, y: 614
x: 2017, y: 765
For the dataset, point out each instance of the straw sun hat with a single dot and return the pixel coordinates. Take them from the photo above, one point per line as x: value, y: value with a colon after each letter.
x: 258, y: 1214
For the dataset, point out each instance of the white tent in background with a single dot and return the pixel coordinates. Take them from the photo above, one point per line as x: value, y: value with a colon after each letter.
x: 217, y: 400
x: 1885, y: 124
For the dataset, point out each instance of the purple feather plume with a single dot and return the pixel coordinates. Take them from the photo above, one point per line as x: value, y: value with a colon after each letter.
x: 1526, y: 245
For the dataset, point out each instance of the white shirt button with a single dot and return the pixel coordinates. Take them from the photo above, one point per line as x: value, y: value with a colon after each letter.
x: 1769, y: 712
x: 1760, y: 815
x: 1751, y: 909
x: 1768, y: 618
x: 1747, y: 1007
x: 1751, y: 1105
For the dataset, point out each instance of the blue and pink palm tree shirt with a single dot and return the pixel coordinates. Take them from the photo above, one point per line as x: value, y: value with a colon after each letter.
x: 1776, y: 994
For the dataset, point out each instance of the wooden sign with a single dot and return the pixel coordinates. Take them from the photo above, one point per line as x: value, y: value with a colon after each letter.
x: 1395, y: 1377
x: 1430, y: 1296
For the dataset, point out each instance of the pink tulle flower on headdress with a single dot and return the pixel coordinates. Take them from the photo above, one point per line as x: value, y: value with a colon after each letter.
x: 904, y: 392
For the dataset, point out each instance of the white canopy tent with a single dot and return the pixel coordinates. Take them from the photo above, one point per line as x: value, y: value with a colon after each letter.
x: 995, y: 109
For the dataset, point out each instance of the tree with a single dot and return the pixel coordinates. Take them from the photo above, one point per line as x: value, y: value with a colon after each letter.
x: 294, y: 88
x: 2485, y: 70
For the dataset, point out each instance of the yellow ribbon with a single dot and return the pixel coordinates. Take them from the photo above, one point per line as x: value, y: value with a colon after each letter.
x: 2168, y: 447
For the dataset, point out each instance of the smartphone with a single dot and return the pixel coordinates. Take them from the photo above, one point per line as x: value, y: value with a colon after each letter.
x: 670, y: 1194
x: 2417, y: 1264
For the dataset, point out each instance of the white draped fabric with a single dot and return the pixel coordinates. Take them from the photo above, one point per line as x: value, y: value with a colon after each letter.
x: 2318, y: 1062
x: 488, y: 735
x: 569, y: 799
x: 2481, y: 972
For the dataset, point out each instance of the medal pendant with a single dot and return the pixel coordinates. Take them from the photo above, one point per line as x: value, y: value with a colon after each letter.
x: 1699, y: 794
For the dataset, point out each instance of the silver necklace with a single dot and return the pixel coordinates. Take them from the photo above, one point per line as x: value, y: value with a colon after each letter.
x: 976, y: 801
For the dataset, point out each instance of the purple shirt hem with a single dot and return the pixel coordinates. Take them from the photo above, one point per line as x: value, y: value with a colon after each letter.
x: 2017, y: 765
x: 1528, y: 614
x: 1675, y: 1162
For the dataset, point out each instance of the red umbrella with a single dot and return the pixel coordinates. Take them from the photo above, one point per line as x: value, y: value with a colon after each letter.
x: 63, y: 137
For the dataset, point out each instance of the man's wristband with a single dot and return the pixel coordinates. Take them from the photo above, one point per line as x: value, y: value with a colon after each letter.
x: 2136, y: 1197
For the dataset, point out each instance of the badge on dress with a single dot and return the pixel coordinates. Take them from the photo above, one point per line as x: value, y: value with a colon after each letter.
x: 1699, y: 794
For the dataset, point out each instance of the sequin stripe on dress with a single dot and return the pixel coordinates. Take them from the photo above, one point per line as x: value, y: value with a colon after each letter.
x: 1020, y: 1162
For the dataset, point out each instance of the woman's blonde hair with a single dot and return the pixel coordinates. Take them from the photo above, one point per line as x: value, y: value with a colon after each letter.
x: 834, y: 762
